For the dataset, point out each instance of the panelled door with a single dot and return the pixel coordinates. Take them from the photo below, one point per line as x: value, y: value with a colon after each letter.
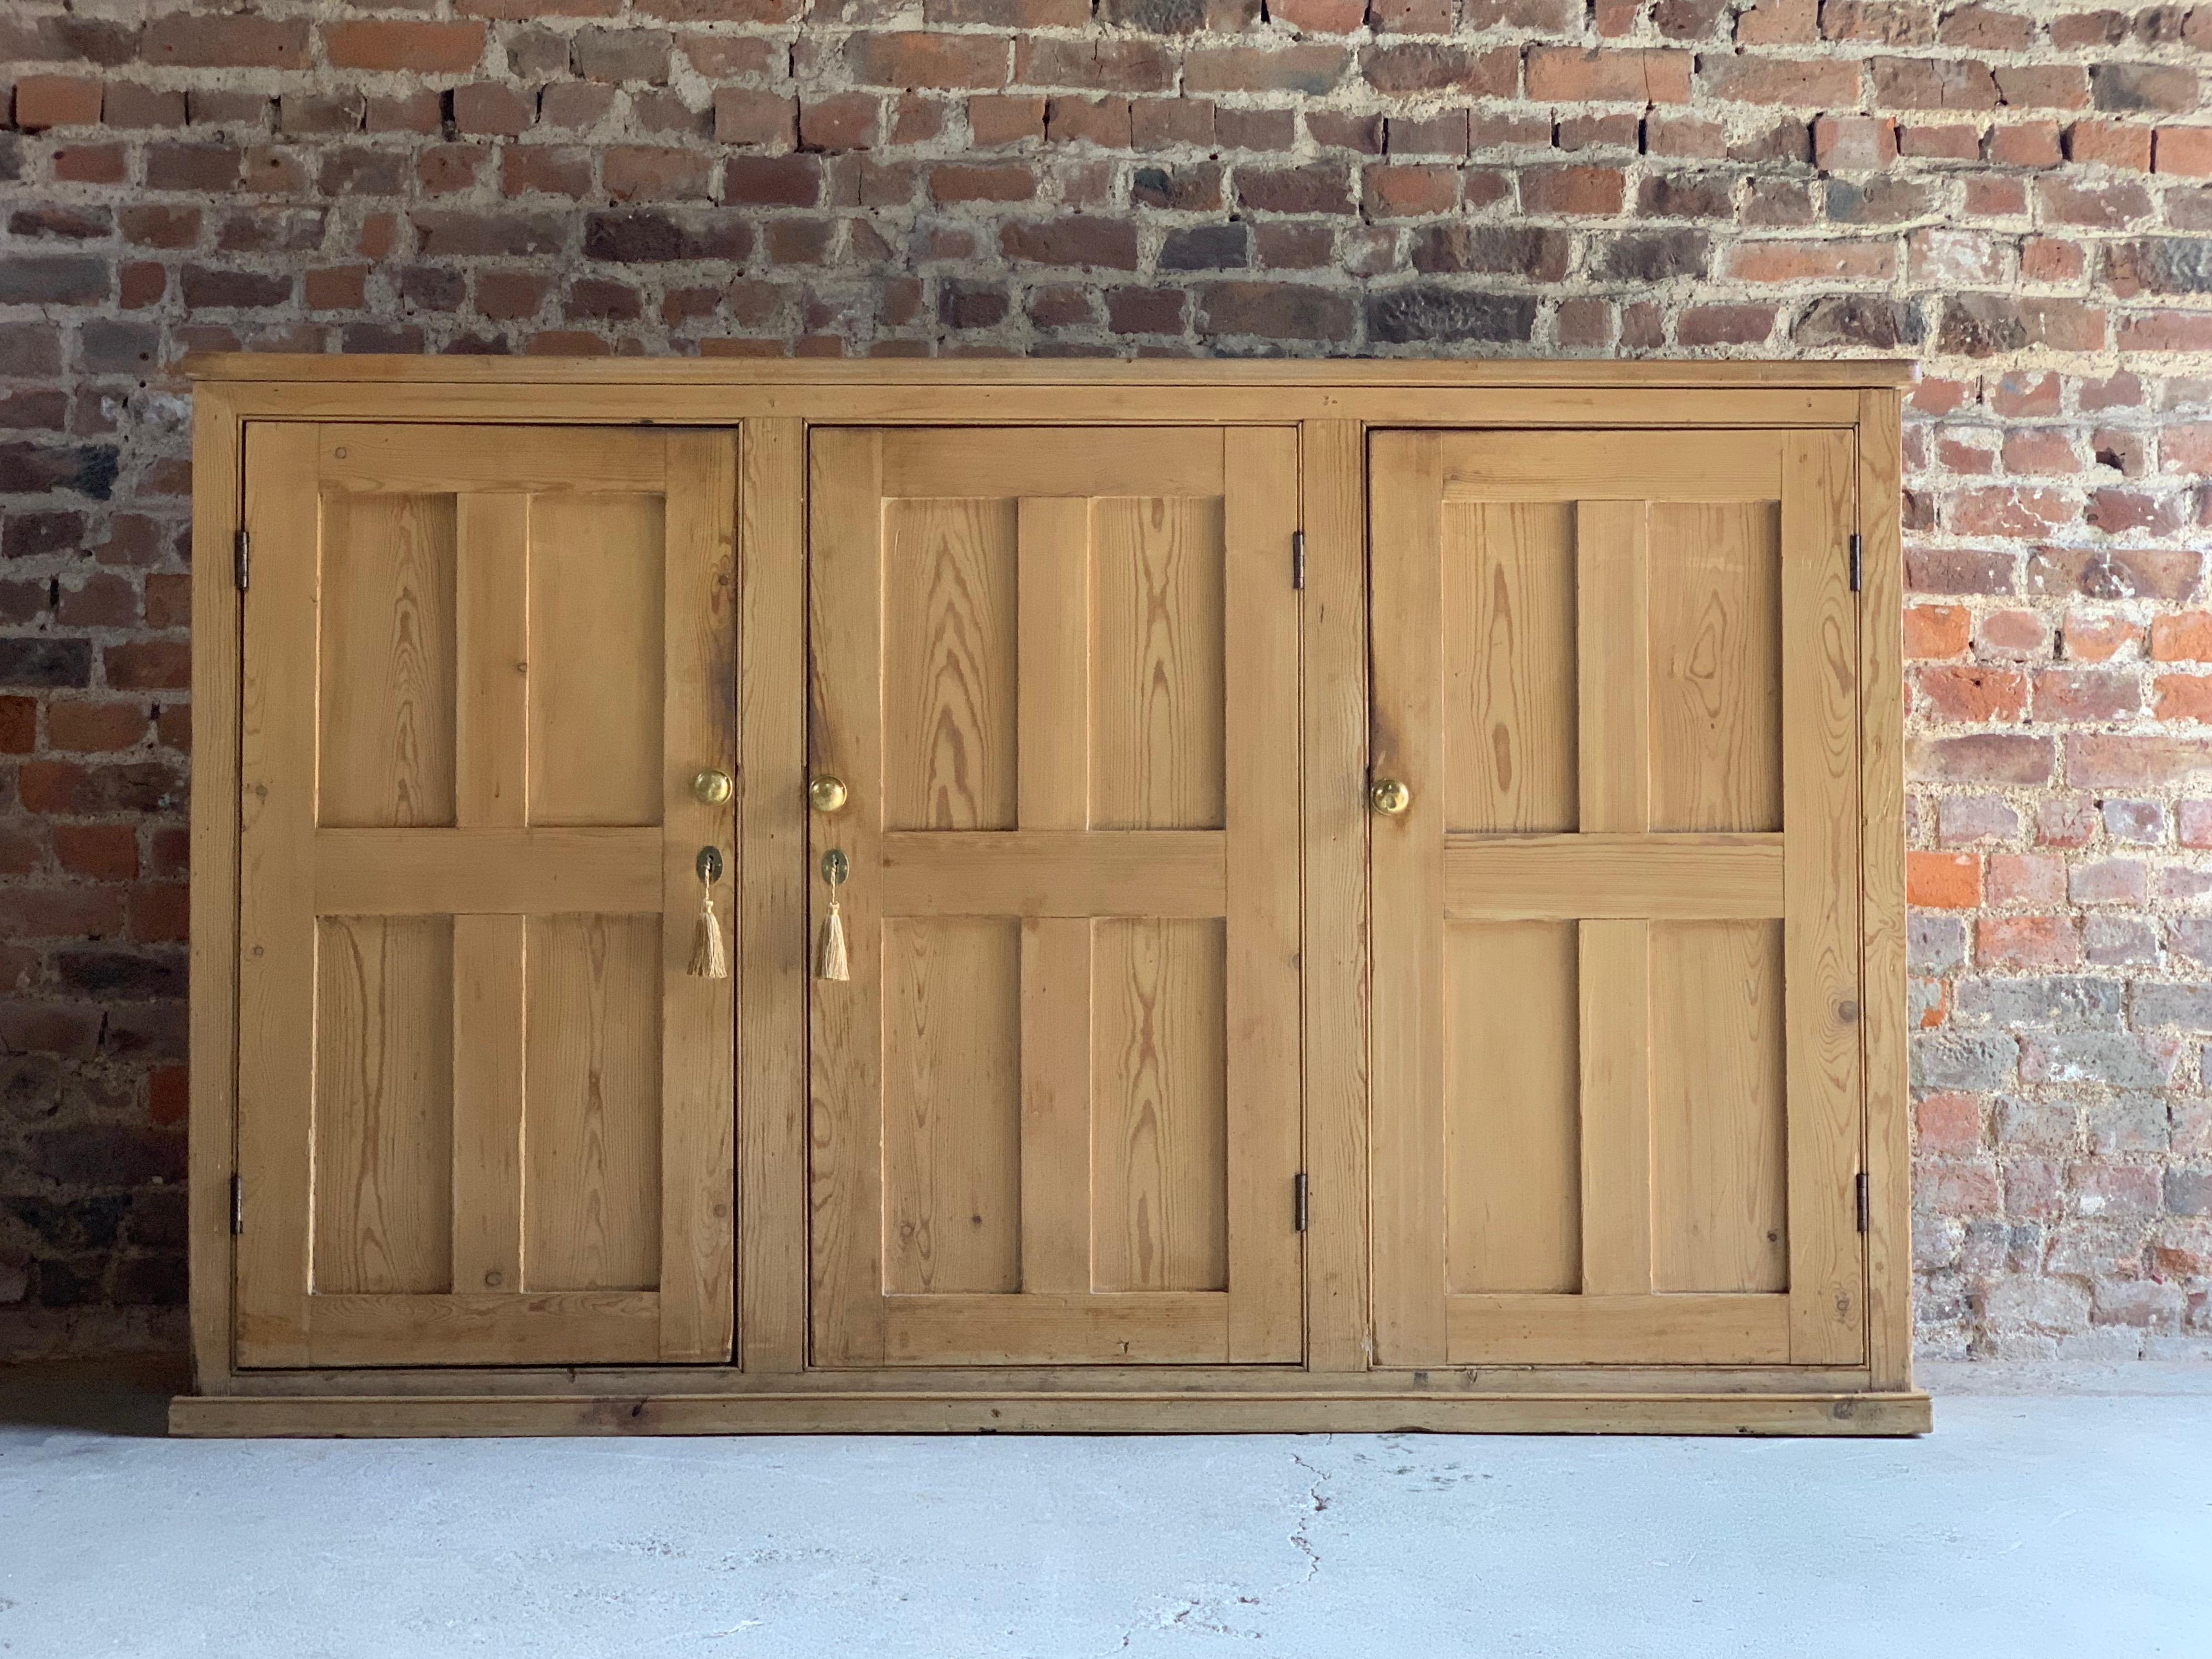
x: 485, y: 1116
x: 1615, y: 1046
x: 1055, y: 1108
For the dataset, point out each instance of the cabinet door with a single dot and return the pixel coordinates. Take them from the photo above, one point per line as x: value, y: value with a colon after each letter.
x: 1615, y: 1042
x: 484, y: 1113
x: 1055, y: 1108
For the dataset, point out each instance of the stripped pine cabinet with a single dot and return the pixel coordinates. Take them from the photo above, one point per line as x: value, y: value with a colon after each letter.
x: 1362, y: 897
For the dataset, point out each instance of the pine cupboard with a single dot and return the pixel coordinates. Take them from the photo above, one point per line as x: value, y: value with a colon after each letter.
x: 737, y: 897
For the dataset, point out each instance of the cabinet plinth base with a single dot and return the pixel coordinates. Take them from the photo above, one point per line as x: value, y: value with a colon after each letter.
x: 369, y: 1416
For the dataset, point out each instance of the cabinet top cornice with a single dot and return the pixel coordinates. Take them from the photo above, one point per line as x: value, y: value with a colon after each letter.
x: 1319, y: 373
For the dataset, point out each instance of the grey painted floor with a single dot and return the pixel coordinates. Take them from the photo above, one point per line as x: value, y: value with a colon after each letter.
x: 2030, y: 1523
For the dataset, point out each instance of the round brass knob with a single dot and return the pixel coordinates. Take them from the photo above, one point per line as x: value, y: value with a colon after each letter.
x: 713, y: 787
x: 827, y: 794
x: 1389, y: 797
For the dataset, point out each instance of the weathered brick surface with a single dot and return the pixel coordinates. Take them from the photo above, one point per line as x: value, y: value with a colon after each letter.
x: 2015, y: 193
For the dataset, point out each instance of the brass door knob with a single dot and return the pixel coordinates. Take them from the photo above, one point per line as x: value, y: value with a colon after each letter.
x: 713, y: 787
x: 827, y: 794
x: 1389, y: 797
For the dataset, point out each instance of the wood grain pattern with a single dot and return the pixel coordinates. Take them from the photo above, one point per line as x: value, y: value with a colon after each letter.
x: 1716, y: 655
x: 980, y: 463
x: 486, y: 1045
x: 597, y: 659
x: 1719, y: 1173
x: 383, y: 1104
x: 1161, y: 1328
x: 847, y: 1075
x: 1053, y: 670
x: 1673, y: 1408
x: 388, y: 687
x: 1056, y: 1062
x: 952, y: 1105
x: 1514, y: 1199
x: 1613, y: 612
x: 1820, y: 764
x: 404, y: 872
x: 1623, y: 876
x: 592, y: 1132
x: 374, y: 460
x: 1598, y: 1330
x: 1260, y: 621
x: 1333, y: 952
x: 1509, y: 663
x: 1882, y: 914
x: 1048, y: 872
x: 950, y: 714
x: 770, y: 943
x: 277, y: 741
x: 491, y: 648
x: 1157, y: 696
x: 699, y: 728
x: 218, y: 513
x: 1659, y: 466
x: 1616, y: 982
x: 1405, y: 1050
x: 1159, y: 1106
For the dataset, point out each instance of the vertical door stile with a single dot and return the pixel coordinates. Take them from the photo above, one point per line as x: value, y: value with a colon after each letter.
x: 491, y: 610
x: 770, y: 943
x: 1406, y: 495
x: 698, y: 1291
x: 1613, y: 756
x: 843, y: 734
x: 1052, y: 722
x: 276, y: 907
x: 1261, y: 750
x: 1819, y: 727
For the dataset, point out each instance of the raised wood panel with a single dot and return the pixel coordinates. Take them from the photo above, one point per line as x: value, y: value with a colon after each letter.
x: 384, y: 1103
x: 591, y: 1123
x: 1509, y: 618
x: 950, y: 733
x: 387, y: 661
x: 952, y: 1114
x: 1719, y: 1134
x: 596, y: 659
x: 1716, y: 655
x: 1159, y: 1108
x: 1513, y: 1195
x: 1157, y: 717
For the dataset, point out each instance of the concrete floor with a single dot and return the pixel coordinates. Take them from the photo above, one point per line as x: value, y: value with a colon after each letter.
x: 2031, y: 1522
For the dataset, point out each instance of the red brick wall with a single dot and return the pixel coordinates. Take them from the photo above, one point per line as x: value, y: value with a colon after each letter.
x: 2014, y: 193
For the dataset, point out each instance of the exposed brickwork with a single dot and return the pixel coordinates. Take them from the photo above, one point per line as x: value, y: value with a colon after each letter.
x: 2014, y: 193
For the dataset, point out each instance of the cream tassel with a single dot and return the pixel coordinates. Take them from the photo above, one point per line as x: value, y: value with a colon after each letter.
x: 833, y: 962
x: 708, y: 959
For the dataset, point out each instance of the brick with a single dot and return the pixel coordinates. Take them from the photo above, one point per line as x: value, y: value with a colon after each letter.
x: 1573, y: 75
x: 1937, y: 630
x: 1276, y: 311
x: 1801, y: 82
x: 1943, y: 881
x: 44, y: 101
x: 915, y: 58
x: 1313, y: 68
x: 425, y: 48
x: 204, y: 40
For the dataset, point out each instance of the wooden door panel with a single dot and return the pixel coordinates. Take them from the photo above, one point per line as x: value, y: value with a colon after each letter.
x: 484, y: 1112
x: 1616, y: 1101
x: 1054, y: 1110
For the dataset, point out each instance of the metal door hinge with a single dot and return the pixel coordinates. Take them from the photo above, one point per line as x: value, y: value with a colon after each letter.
x: 1298, y: 558
x: 237, y: 1205
x: 243, y: 568
x: 1866, y: 1205
x: 1855, y: 564
x: 1300, y: 1212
